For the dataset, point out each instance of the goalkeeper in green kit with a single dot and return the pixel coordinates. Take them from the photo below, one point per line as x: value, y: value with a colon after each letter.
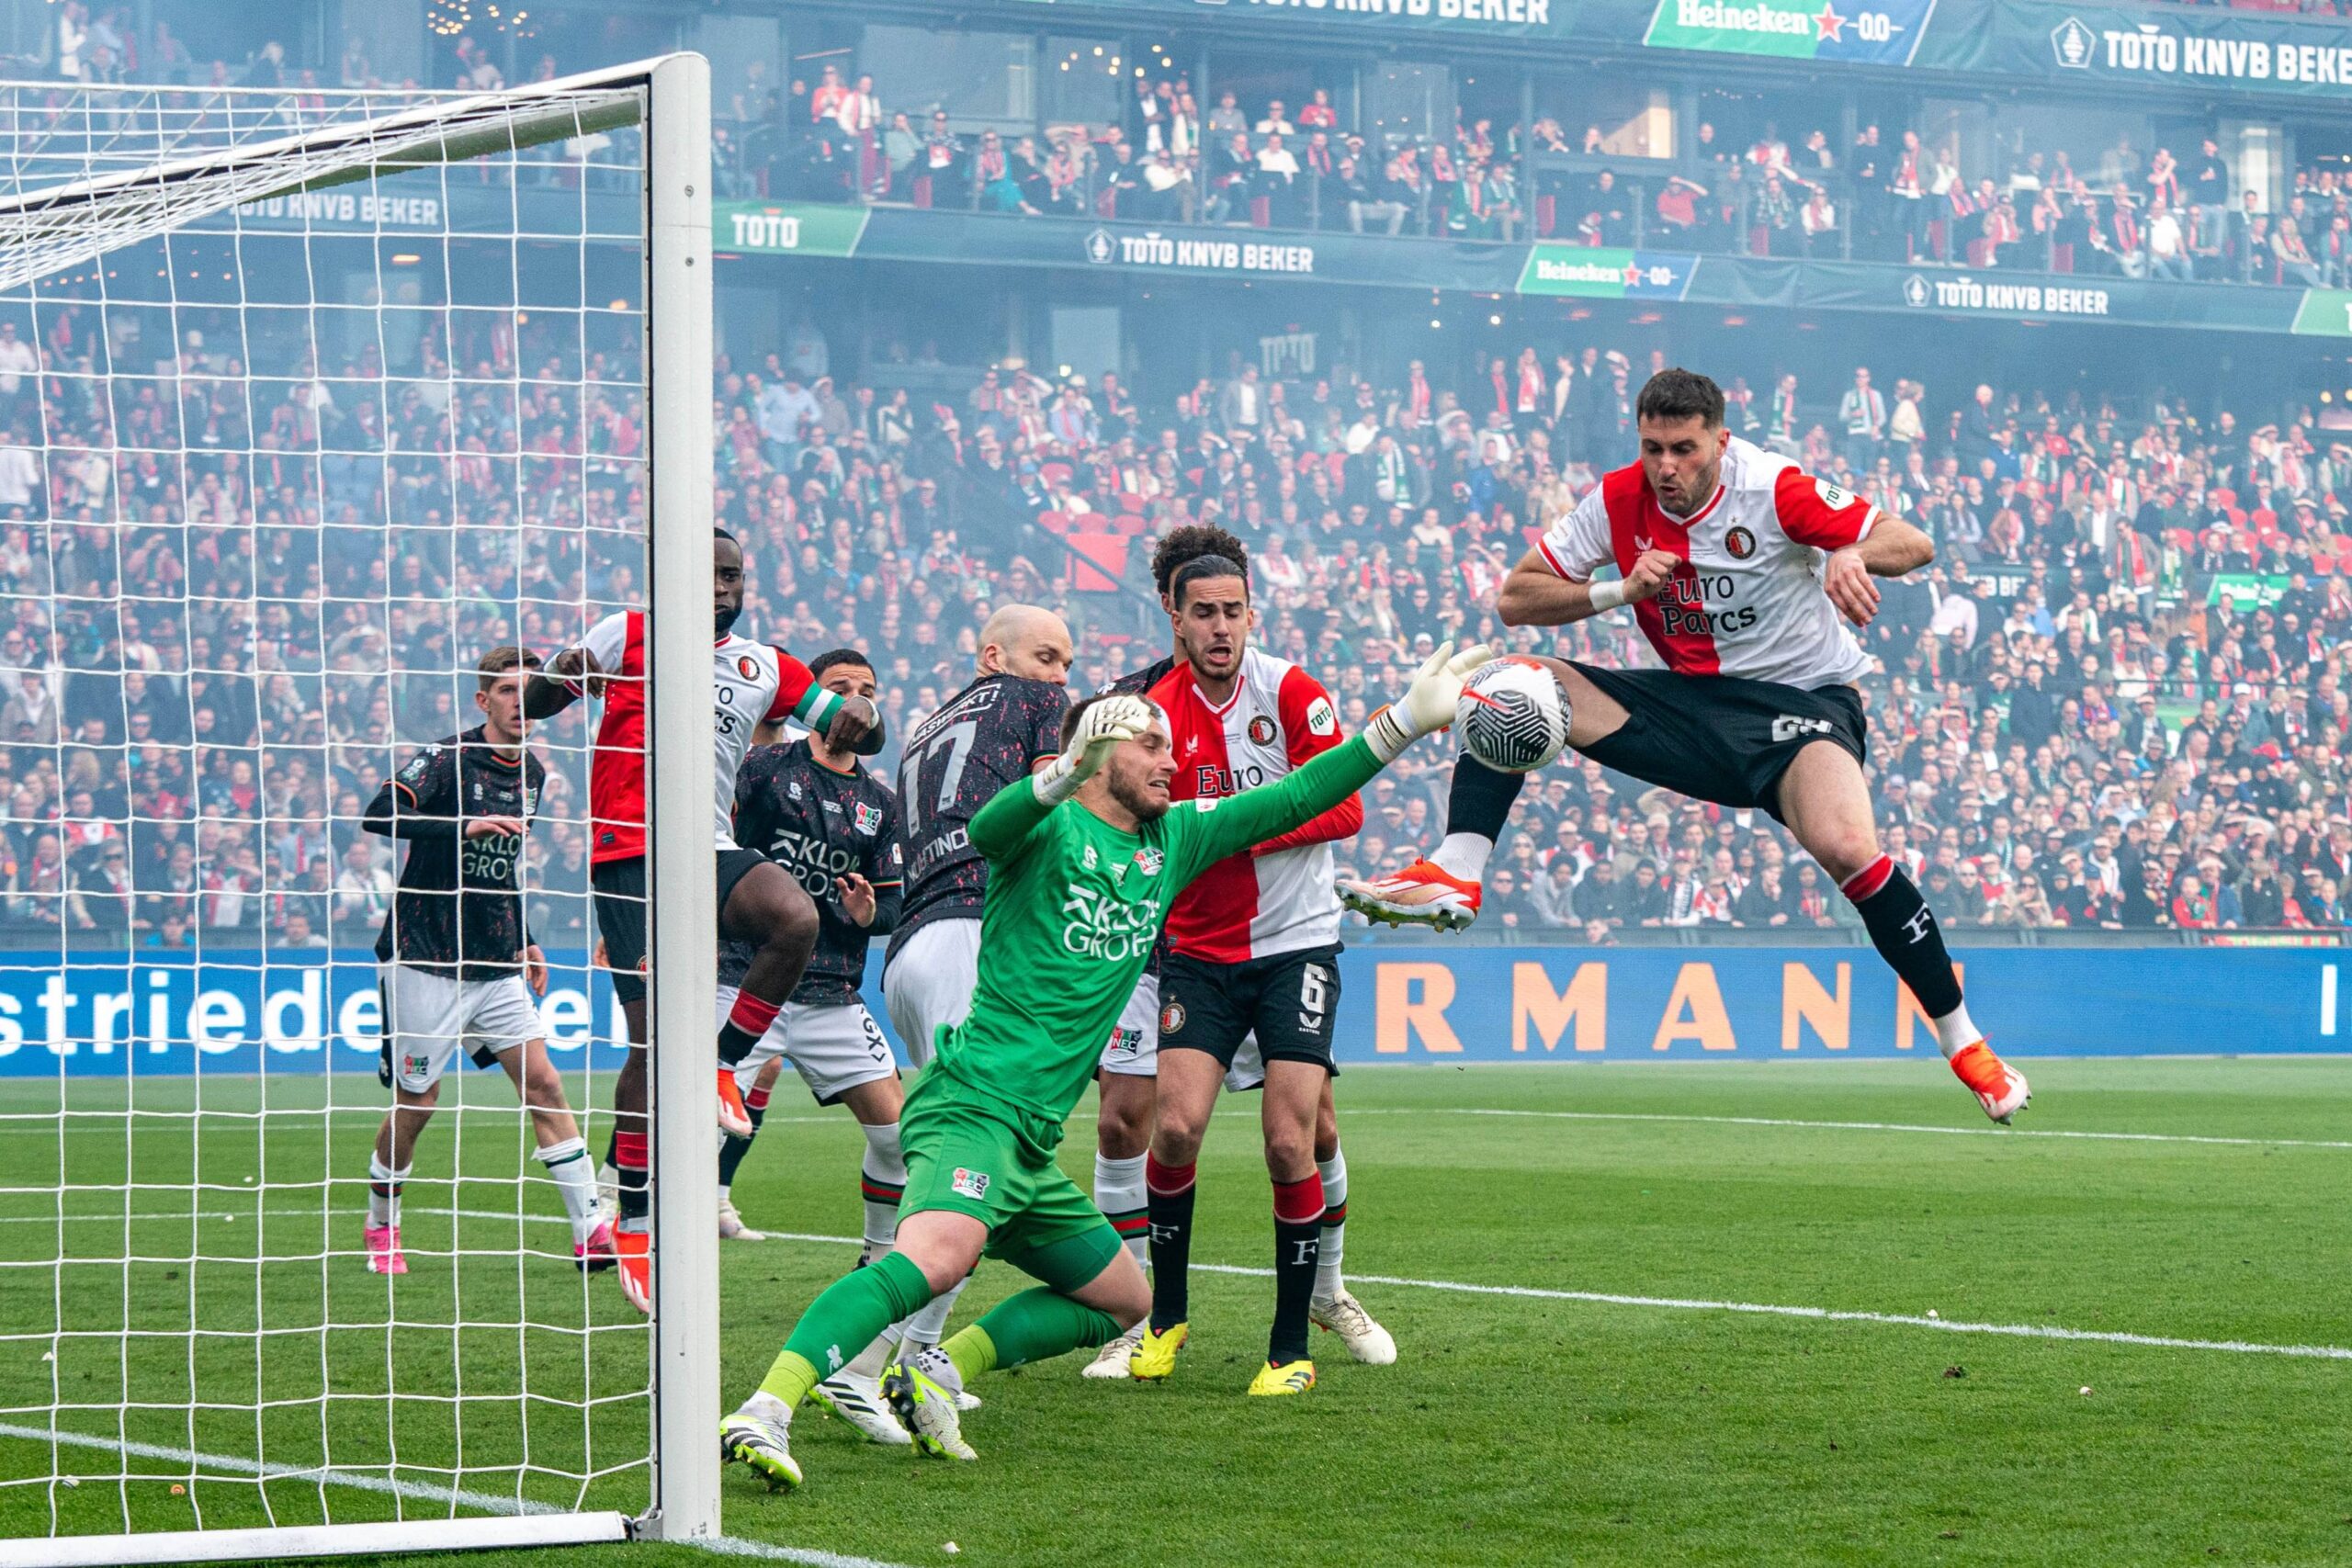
x: 1084, y: 858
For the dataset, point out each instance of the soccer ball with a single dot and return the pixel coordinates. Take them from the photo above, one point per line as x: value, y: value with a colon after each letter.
x: 1512, y: 715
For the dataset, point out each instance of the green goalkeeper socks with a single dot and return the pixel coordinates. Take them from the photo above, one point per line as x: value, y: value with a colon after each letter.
x: 1031, y: 1327
x: 844, y: 1320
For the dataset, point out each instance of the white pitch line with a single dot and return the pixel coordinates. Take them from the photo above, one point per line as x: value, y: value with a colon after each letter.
x: 1763, y: 1309
x: 421, y: 1491
x: 1856, y: 1126
x: 1832, y: 1315
x: 1672, y: 1303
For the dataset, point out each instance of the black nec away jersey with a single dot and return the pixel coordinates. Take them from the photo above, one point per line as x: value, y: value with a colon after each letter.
x: 1145, y: 679
x: 989, y: 734
x: 477, y: 933
x: 820, y: 825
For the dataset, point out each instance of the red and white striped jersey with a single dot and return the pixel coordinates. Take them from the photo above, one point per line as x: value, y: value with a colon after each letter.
x: 1279, y: 896
x: 755, y: 685
x: 1747, y: 599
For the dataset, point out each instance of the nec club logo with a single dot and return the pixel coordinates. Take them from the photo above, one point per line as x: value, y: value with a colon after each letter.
x: 1740, y: 543
x: 1261, y: 730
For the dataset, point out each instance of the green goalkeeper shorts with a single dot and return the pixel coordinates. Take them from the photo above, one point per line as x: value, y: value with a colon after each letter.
x: 972, y: 1153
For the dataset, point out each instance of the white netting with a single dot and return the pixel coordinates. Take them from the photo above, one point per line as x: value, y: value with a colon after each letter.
x: 273, y: 476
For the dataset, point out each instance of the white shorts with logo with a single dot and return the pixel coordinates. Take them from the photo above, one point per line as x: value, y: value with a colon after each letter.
x: 930, y: 982
x: 428, y: 1017
x: 1134, y: 1051
x: 834, y: 1046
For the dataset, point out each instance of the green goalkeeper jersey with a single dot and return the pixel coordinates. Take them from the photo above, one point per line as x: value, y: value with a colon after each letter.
x: 1073, y: 907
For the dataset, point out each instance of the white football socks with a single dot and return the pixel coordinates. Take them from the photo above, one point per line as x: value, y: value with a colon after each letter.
x: 575, y: 1182
x: 1119, y: 1191
x: 1956, y: 1031
x: 1463, y: 855
x: 1329, y: 1282
x: 884, y: 1167
x: 384, y: 1191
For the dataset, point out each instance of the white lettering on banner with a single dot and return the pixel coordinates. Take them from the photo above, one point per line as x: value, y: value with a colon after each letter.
x: 360, y: 1024
x: 570, y: 1019
x: 767, y: 231
x: 1742, y: 19
x: 2019, y: 298
x: 2148, y: 50
x: 308, y: 1004
x: 1508, y: 13
x: 350, y: 206
x: 12, y: 1033
x: 216, y: 1021
x: 1216, y: 255
x: 107, y: 1008
x: 55, y: 1000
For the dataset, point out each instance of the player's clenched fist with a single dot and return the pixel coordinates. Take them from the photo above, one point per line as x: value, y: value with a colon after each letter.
x: 1102, y: 727
x: 1847, y: 582
x: 1650, y: 575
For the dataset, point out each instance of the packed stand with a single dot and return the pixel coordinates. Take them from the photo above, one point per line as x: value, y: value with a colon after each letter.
x: 1891, y: 197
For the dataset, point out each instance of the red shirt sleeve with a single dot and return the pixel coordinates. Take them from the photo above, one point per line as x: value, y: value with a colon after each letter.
x: 1815, y: 512
x: 1310, y: 728
x: 792, y: 684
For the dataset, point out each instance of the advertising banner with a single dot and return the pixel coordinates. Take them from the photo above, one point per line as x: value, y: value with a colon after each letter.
x: 786, y: 228
x: 2157, y: 46
x: 299, y: 1011
x: 1886, y: 33
x: 1603, y: 272
x: 164, y: 1015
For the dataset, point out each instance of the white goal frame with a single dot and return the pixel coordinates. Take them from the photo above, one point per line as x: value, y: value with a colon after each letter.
x: 48, y: 229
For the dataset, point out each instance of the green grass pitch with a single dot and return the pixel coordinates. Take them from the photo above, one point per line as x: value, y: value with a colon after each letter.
x: 1528, y: 1428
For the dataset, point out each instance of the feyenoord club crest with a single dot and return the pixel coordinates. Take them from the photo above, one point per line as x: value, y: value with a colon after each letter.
x: 1740, y: 543
x: 1172, y: 1018
x: 1261, y: 730
x: 748, y: 665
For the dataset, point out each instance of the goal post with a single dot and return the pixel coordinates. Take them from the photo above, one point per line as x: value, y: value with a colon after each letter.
x: 332, y: 392
x: 678, y: 806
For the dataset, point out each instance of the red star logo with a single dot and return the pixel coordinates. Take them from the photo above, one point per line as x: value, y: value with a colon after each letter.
x: 1827, y: 26
x: 1632, y: 276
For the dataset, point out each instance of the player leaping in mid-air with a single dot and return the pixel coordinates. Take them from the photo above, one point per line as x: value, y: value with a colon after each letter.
x: 1084, y: 857
x: 1738, y: 566
x: 757, y: 687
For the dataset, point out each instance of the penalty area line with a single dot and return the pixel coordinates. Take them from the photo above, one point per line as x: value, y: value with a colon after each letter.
x: 197, y: 1463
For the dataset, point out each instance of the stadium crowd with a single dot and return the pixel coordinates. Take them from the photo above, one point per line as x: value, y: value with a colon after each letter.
x: 2117, y: 699
x: 2184, y: 215
x: 2166, y: 212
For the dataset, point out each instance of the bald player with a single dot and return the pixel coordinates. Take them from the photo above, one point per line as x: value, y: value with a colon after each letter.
x: 990, y: 734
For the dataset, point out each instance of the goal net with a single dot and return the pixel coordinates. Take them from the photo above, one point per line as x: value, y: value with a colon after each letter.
x: 308, y: 402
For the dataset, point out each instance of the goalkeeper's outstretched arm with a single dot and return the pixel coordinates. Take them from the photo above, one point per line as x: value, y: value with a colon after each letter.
x: 1273, y: 809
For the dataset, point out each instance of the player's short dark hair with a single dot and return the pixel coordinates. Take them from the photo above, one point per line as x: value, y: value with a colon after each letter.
x: 498, y: 660
x: 717, y: 534
x: 1190, y: 543
x: 1205, y: 568
x: 1678, y: 394
x: 834, y: 658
